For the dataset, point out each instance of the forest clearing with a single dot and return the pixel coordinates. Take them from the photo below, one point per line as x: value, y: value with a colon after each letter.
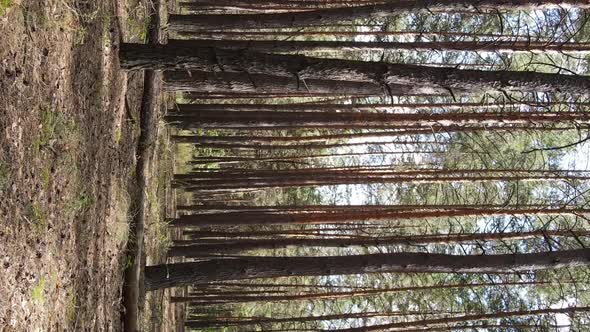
x: 294, y: 165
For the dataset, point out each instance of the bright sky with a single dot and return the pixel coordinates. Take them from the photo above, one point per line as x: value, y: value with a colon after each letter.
x: 579, y: 158
x: 563, y: 319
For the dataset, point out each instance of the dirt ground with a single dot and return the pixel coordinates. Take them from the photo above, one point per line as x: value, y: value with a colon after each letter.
x: 69, y: 121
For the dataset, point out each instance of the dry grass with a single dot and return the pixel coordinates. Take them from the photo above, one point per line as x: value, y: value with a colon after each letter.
x: 66, y: 160
x: 155, y: 315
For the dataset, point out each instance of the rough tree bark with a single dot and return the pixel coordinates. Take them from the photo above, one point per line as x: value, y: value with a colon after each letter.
x: 196, y: 247
x: 138, y: 56
x: 334, y: 15
x: 273, y: 46
x: 366, y: 214
x: 240, y: 83
x: 187, y: 109
x: 243, y: 178
x: 357, y: 120
x: 261, y: 297
x: 180, y: 274
x: 463, y: 318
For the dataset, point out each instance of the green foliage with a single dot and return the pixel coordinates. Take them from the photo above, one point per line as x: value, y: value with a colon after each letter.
x: 80, y: 203
x: 5, y: 176
x: 4, y: 4
x: 37, y: 217
x: 71, y: 308
x: 38, y: 292
x: 55, y: 127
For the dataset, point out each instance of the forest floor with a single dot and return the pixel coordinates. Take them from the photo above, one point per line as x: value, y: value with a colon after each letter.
x: 69, y: 120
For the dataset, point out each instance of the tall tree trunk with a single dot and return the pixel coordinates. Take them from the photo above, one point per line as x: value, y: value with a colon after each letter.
x: 227, y: 180
x: 197, y: 247
x: 334, y: 15
x: 240, y: 83
x: 224, y: 208
x: 188, y: 109
x: 317, y: 232
x: 421, y: 78
x: 272, y: 46
x: 295, y: 286
x: 289, y: 140
x: 463, y: 318
x: 245, y: 321
x: 363, y: 215
x: 352, y: 120
x: 376, y: 170
x: 303, y: 158
x: 274, y: 141
x: 282, y: 5
x: 311, y: 296
x: 180, y: 274
x: 487, y: 326
x: 304, y: 146
x: 207, y: 96
x: 248, y: 34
